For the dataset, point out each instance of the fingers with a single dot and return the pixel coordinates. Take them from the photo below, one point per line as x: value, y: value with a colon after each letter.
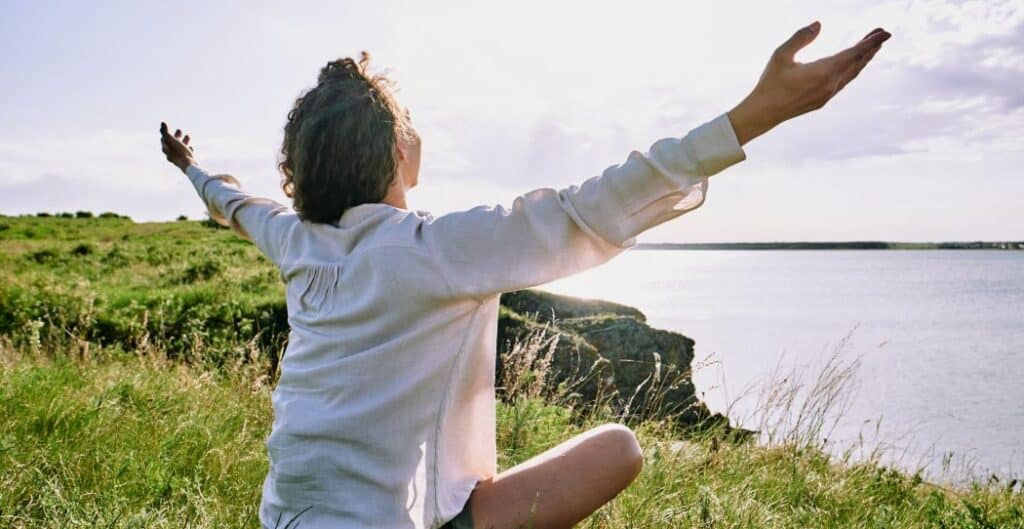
x: 176, y: 144
x: 165, y: 134
x: 872, y: 32
x: 858, y: 51
x: 800, y: 39
x: 854, y: 69
x: 166, y: 137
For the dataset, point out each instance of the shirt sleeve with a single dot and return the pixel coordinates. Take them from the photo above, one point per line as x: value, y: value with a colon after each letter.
x: 263, y: 221
x: 548, y: 233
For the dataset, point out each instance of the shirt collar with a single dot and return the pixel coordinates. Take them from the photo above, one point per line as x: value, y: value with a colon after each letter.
x: 357, y: 214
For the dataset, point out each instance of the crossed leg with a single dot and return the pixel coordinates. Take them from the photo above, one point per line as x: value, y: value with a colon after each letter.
x: 561, y: 486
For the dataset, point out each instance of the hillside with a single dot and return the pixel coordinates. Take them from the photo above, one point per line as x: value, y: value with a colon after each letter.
x: 206, y: 295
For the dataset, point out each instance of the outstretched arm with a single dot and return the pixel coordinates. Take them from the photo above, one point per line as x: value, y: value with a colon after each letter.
x: 261, y: 220
x: 548, y: 233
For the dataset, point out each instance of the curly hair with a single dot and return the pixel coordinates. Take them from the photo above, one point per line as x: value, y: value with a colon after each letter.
x: 340, y: 141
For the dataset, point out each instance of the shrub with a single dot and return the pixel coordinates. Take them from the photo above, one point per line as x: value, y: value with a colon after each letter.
x: 182, y: 217
x: 200, y: 271
x: 43, y: 256
x: 43, y: 214
x: 210, y: 223
x: 83, y: 214
x: 110, y: 215
x: 115, y: 258
x: 66, y: 215
x: 82, y: 250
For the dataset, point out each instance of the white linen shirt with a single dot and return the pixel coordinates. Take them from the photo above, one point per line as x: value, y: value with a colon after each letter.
x: 384, y: 414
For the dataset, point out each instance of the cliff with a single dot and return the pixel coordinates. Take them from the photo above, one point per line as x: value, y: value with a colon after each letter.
x: 606, y: 350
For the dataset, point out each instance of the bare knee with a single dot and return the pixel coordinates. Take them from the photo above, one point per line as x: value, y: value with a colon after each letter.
x: 623, y: 448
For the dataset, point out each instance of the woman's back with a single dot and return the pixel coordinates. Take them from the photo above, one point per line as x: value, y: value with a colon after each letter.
x: 366, y: 407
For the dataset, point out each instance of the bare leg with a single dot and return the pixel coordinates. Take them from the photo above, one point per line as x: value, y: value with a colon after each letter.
x: 561, y: 486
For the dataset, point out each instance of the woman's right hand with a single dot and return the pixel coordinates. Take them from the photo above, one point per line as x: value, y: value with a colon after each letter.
x: 788, y: 88
x: 176, y: 148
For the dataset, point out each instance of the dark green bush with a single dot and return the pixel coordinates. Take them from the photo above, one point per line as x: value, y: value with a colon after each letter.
x: 66, y: 215
x: 115, y: 257
x: 110, y: 215
x: 83, y: 214
x: 201, y: 271
x: 210, y: 223
x: 182, y: 217
x: 82, y: 249
x: 43, y: 256
x: 43, y: 214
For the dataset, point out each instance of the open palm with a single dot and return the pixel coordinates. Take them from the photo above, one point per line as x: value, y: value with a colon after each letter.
x: 788, y: 88
x: 177, y: 148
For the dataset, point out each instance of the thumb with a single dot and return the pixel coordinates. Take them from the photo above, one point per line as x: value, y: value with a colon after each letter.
x: 800, y: 39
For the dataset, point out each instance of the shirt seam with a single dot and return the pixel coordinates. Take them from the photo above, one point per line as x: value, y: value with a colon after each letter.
x: 444, y: 406
x: 287, y: 239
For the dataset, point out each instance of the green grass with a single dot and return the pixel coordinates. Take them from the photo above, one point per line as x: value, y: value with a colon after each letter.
x: 116, y: 440
x: 128, y: 442
x: 132, y: 394
x: 117, y: 283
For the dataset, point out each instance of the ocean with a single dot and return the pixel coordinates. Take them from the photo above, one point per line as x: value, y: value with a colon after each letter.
x: 935, y: 339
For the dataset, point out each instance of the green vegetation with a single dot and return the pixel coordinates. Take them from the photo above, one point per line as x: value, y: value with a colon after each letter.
x: 136, y: 364
x: 197, y: 293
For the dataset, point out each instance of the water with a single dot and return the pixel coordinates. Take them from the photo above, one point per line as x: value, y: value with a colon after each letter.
x: 939, y: 335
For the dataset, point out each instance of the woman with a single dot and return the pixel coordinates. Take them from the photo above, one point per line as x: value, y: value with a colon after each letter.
x: 384, y: 413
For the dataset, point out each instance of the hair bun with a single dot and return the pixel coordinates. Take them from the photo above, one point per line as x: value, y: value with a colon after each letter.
x: 345, y: 68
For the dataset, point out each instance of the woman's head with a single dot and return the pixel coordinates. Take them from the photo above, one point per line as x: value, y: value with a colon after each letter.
x: 345, y: 142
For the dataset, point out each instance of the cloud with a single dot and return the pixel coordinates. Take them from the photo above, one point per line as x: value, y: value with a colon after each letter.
x: 947, y: 85
x: 54, y: 193
x: 92, y: 154
x: 121, y: 171
x: 502, y: 113
x: 990, y: 66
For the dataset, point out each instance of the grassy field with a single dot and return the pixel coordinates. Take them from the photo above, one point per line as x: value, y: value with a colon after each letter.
x: 115, y: 283
x: 132, y: 394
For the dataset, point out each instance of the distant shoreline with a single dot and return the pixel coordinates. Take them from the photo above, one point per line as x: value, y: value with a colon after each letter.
x: 847, y: 245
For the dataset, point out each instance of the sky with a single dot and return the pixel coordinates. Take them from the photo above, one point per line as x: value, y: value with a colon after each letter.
x: 927, y: 144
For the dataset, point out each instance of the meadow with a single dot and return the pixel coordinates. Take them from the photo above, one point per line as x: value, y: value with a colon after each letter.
x: 137, y: 361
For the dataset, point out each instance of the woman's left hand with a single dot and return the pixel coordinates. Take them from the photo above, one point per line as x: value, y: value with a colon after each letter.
x: 176, y: 148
